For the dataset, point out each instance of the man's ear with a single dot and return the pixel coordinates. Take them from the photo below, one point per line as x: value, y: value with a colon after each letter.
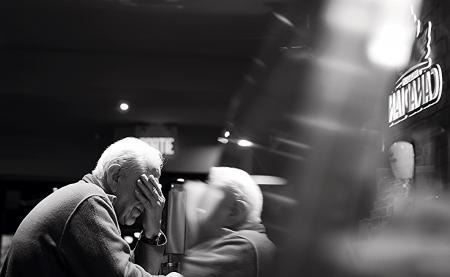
x: 112, y: 176
x: 238, y: 214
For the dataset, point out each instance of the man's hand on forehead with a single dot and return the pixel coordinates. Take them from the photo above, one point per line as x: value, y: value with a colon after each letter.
x: 150, y: 184
x: 149, y: 193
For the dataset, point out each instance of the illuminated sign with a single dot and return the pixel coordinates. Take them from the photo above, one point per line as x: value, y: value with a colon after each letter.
x: 164, y: 144
x: 420, y: 86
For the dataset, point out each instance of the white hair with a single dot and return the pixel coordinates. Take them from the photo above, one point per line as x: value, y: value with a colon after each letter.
x: 243, y: 186
x: 131, y: 154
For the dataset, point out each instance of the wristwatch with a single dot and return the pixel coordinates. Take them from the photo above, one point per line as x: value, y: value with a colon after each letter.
x: 157, y: 240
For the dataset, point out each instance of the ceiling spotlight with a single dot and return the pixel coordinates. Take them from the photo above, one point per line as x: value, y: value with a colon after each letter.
x: 226, y: 134
x: 244, y: 143
x: 181, y: 180
x: 222, y: 140
x: 269, y: 180
x: 283, y: 19
x: 124, y: 106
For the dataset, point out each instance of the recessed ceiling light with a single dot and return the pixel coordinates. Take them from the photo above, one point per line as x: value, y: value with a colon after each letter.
x: 244, y: 143
x: 283, y: 19
x: 222, y: 140
x: 226, y: 134
x: 124, y: 106
x: 269, y: 180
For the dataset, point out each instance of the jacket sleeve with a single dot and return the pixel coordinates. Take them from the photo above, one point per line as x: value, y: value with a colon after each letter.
x: 231, y: 257
x: 91, y: 244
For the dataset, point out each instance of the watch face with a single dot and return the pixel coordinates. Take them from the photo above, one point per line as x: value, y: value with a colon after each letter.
x: 155, y: 239
x: 152, y: 240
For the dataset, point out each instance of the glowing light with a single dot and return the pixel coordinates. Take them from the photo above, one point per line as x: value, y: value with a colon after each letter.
x: 283, y: 19
x: 269, y: 180
x: 181, y: 180
x: 244, y: 143
x: 128, y: 239
x: 391, y: 46
x: 420, y: 86
x: 226, y: 134
x: 137, y: 234
x: 393, y: 33
x: 343, y: 14
x: 222, y: 140
x: 123, y: 106
x: 426, y: 86
x: 166, y: 145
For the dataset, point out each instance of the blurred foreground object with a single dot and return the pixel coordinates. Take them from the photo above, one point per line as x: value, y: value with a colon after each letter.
x: 341, y: 116
x: 401, y: 157
x: 414, y: 242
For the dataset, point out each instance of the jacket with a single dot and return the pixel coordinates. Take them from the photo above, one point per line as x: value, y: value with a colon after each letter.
x: 72, y: 232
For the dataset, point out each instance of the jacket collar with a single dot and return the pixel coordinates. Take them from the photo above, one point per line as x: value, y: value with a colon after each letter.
x: 259, y: 227
x: 89, y: 178
x: 254, y: 226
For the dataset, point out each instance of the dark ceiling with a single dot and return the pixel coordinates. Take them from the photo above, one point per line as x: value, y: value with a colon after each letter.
x: 65, y: 65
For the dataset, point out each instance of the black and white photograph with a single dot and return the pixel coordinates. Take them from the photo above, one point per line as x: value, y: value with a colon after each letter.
x: 225, y: 138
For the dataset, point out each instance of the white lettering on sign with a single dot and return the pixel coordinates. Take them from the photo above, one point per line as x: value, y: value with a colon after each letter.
x: 420, y: 86
x: 164, y: 144
x: 420, y: 93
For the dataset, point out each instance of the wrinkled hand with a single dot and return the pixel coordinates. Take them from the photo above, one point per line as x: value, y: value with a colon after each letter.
x: 148, y: 192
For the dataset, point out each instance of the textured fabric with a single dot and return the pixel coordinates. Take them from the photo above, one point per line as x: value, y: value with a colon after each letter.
x: 235, y: 254
x: 72, y: 232
x: 264, y: 250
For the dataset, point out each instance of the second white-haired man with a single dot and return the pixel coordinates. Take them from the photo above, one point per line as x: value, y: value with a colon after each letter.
x: 230, y: 239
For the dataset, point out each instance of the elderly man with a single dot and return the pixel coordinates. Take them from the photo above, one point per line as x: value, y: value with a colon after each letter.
x: 75, y: 230
x: 229, y: 237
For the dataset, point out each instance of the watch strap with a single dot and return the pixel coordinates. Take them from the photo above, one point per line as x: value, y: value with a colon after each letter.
x: 159, y: 239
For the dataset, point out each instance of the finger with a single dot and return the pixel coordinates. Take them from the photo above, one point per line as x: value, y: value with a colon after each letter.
x: 148, y: 191
x: 146, y: 182
x: 156, y: 184
x: 153, y: 182
x: 144, y: 200
x: 149, y: 197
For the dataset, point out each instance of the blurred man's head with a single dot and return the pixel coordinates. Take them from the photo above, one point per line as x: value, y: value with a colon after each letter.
x: 244, y: 191
x: 230, y: 200
x: 120, y: 166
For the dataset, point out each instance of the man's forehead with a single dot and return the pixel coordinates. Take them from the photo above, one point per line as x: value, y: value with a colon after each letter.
x: 154, y: 170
